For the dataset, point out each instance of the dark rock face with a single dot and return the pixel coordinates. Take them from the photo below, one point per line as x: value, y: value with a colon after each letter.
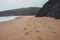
x: 50, y: 9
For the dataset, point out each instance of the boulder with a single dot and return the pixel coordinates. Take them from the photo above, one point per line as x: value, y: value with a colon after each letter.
x: 50, y: 9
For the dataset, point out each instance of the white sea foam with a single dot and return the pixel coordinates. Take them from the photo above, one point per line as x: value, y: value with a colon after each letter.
x: 7, y: 18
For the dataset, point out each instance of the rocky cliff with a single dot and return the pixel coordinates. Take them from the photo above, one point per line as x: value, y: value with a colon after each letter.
x: 50, y: 9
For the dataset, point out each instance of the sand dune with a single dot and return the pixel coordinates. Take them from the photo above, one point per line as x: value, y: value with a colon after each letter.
x: 30, y: 28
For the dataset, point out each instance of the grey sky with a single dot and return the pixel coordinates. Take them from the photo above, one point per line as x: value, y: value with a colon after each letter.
x: 13, y: 4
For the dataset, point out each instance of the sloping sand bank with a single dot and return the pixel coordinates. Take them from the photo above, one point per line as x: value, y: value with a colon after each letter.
x: 30, y: 28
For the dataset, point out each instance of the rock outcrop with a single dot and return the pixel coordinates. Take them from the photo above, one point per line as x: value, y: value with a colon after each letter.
x: 50, y: 9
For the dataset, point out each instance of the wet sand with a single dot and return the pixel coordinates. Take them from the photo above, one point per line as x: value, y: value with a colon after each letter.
x: 30, y: 28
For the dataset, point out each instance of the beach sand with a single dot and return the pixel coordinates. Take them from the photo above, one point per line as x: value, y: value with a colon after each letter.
x: 30, y: 28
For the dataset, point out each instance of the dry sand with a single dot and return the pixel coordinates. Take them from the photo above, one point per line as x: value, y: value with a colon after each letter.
x: 30, y: 28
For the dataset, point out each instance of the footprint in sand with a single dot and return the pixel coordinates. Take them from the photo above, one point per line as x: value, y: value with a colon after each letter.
x: 49, y: 27
x: 53, y: 32
x: 37, y: 31
x: 38, y: 38
x: 35, y: 27
x: 28, y: 24
x: 25, y: 28
x: 26, y: 33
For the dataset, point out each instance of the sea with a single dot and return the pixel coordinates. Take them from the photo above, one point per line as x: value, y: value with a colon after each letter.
x: 7, y: 18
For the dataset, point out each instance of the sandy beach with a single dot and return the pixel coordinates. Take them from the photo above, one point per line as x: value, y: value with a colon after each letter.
x: 30, y: 28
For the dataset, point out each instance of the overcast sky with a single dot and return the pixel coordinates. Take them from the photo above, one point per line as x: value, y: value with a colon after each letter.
x: 13, y: 4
